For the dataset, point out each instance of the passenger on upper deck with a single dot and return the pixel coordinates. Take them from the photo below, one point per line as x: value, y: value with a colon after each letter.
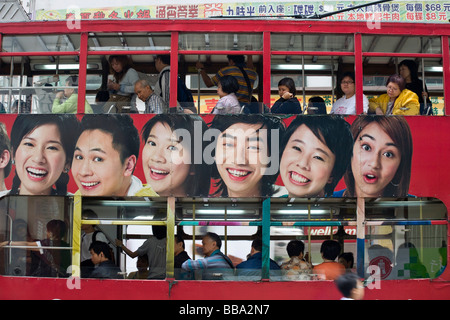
x: 106, y: 155
x: 381, y: 158
x: 397, y: 101
x: 246, y: 156
x: 121, y: 85
x: 288, y: 102
x: 408, y: 71
x: 168, y: 156
x: 228, y: 103
x: 5, y: 158
x: 153, y: 102
x: 347, y: 103
x: 70, y: 105
x: 42, y: 150
x: 245, y: 76
x: 214, y: 262
x: 315, y: 152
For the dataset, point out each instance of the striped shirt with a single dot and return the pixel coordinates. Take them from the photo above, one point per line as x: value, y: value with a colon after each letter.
x: 155, y: 104
x: 242, y: 94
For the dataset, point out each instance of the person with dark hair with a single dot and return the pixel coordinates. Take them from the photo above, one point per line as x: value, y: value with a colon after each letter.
x: 89, y: 234
x: 316, y: 105
x: 386, y: 141
x: 70, y: 105
x: 142, y: 268
x: 101, y: 257
x: 246, y: 154
x: 215, y: 264
x: 350, y: 286
x: 346, y: 104
x: 169, y: 159
x: 315, y: 152
x: 288, y: 102
x: 408, y: 70
x: 228, y: 102
x: 253, y: 265
x: 153, y: 102
x: 155, y: 249
x: 296, y: 268
x: 180, y: 257
x: 106, y: 155
x: 162, y: 87
x: 45, y: 261
x: 347, y: 260
x: 245, y: 76
x: 42, y: 150
x: 329, y: 269
x: 121, y: 86
x: 397, y: 101
x: 5, y: 158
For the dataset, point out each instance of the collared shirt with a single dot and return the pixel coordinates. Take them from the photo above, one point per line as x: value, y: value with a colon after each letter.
x: 155, y: 104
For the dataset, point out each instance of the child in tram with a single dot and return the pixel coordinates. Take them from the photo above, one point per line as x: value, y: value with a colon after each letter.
x: 381, y: 161
x: 42, y: 151
x: 170, y: 153
x: 315, y: 153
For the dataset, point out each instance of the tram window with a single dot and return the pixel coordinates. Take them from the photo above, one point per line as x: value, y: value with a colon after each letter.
x: 129, y: 41
x: 406, y: 44
x: 38, y: 232
x: 129, y: 208
x: 221, y: 41
x: 33, y: 43
x: 312, y: 42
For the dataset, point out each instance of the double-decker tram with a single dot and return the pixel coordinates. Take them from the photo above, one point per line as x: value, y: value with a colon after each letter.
x: 357, y: 162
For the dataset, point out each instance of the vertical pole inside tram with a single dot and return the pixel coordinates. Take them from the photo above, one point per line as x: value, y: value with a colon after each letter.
x: 265, y: 239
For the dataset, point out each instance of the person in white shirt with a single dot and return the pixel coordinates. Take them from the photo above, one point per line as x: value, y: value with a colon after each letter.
x: 228, y: 103
x: 347, y: 103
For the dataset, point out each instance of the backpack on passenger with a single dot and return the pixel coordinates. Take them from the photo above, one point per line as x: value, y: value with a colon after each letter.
x: 185, y: 98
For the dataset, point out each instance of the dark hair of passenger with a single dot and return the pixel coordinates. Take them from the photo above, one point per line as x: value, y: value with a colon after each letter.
x: 125, y: 62
x: 160, y: 232
x: 179, y: 238
x: 99, y: 247
x: 69, y: 130
x: 346, y: 283
x: 214, y: 237
x: 102, y: 96
x: 165, y: 58
x: 330, y: 249
x: 223, y: 122
x: 257, y: 245
x: 397, y: 79
x: 58, y: 228
x: 229, y: 84
x: 289, y: 83
x: 318, y: 105
x: 413, y: 68
x: 335, y: 133
x: 295, y: 248
x: 348, y: 256
x: 238, y: 59
x: 125, y: 136
x: 198, y: 182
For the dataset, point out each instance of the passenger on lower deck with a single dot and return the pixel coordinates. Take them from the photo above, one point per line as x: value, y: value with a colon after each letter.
x: 102, y: 259
x: 253, y: 265
x: 329, y: 269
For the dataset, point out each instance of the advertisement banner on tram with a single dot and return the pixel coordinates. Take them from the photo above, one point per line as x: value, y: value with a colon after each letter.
x: 235, y: 156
